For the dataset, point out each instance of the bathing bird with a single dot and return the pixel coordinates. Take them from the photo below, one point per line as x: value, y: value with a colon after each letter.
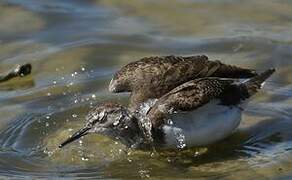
x: 196, y: 113
x: 152, y: 77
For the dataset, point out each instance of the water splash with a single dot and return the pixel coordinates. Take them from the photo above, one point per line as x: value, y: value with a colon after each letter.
x: 180, y: 138
x: 179, y: 135
x: 144, y: 173
x: 50, y: 153
x: 144, y: 122
x: 145, y: 107
x: 146, y: 127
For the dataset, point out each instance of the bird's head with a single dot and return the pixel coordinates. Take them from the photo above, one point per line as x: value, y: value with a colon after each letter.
x: 111, y: 120
x: 120, y: 83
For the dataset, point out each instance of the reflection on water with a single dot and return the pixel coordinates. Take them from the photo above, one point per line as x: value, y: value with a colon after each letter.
x: 75, y: 46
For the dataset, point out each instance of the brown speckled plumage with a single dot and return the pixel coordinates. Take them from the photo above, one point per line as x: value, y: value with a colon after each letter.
x: 152, y: 77
x: 118, y: 122
x: 196, y: 93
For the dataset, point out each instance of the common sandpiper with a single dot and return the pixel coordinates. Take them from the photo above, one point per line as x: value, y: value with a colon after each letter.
x: 198, y: 112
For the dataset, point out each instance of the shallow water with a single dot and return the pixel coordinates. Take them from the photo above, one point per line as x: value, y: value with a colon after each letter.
x: 76, y: 46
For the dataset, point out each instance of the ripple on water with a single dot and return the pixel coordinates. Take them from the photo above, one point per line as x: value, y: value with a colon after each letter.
x: 76, y: 46
x: 31, y: 141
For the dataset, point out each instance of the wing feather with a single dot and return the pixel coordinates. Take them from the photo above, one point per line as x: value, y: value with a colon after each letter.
x: 188, y: 96
x: 152, y: 77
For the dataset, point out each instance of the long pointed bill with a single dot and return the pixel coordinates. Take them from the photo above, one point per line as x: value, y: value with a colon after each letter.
x: 75, y: 136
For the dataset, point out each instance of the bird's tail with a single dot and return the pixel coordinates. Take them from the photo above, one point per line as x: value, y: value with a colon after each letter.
x: 251, y: 86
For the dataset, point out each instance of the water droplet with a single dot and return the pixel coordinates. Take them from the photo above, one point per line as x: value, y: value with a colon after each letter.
x: 54, y: 82
x: 82, y: 69
x: 116, y: 122
x: 75, y: 101
x: 180, y: 137
x: 84, y: 159
x: 80, y: 142
x: 146, y: 127
x: 170, y: 122
x: 144, y: 174
x: 74, y: 115
x: 49, y: 153
x: 95, y: 116
x: 47, y: 124
x: 49, y: 94
x: 197, y: 153
x: 93, y: 96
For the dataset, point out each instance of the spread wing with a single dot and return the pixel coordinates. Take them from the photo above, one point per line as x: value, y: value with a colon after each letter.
x: 189, y: 96
x: 196, y: 93
x: 152, y: 77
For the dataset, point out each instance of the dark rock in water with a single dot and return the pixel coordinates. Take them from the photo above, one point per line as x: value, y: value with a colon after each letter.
x: 17, y: 71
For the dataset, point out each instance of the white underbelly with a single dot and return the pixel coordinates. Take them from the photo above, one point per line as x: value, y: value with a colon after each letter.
x: 203, y: 126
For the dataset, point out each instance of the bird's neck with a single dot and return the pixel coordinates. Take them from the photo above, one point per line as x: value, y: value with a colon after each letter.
x: 128, y: 131
x: 136, y: 130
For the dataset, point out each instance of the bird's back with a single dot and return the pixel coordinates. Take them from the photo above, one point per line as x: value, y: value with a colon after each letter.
x: 152, y: 77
